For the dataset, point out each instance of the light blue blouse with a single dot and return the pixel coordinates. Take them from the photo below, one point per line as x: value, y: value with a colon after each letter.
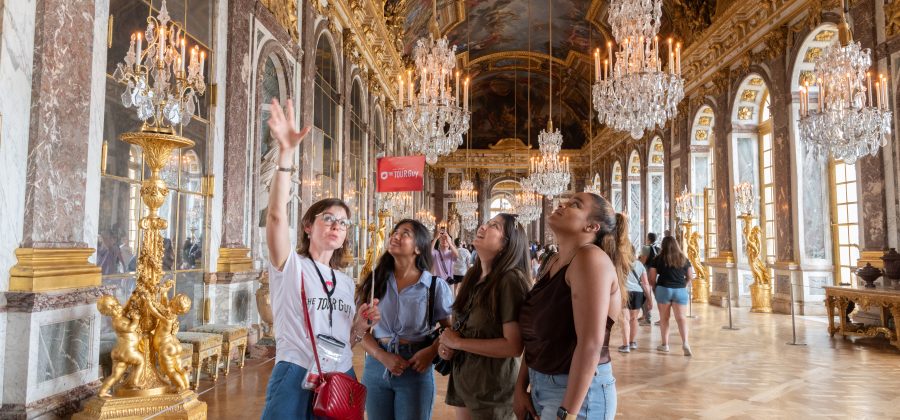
x: 403, y: 314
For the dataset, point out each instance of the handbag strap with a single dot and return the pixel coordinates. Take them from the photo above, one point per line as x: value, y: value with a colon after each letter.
x: 312, y: 337
x: 430, y: 314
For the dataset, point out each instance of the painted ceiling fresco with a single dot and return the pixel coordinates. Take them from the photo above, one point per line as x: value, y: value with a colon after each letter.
x: 486, y: 27
x: 500, y: 110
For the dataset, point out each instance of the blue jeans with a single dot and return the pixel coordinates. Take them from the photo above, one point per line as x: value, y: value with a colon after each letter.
x: 409, y: 396
x: 285, y: 397
x: 547, y: 392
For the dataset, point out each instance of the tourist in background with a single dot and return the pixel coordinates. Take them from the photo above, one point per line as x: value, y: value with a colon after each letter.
x: 487, y: 341
x: 444, y: 254
x: 568, y: 314
x: 670, y: 276
x: 638, y: 297
x: 398, y: 372
x: 648, y: 253
x: 315, y: 265
x: 461, y: 264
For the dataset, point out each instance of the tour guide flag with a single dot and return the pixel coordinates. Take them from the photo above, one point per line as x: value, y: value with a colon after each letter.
x: 401, y: 173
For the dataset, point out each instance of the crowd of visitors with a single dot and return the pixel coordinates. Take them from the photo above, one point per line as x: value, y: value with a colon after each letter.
x: 521, y: 329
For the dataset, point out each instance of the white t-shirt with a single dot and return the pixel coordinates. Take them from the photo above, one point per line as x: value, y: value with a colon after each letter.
x: 292, y: 342
x: 461, y: 265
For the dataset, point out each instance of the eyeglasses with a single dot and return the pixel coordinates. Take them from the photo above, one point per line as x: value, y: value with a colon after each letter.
x: 330, y: 219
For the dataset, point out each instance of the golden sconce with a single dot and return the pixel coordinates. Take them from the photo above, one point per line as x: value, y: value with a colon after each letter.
x: 761, y: 289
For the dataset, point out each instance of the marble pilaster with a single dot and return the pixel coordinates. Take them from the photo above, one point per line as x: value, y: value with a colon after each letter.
x: 216, y: 205
x: 724, y: 209
x: 439, y: 175
x: 237, y: 130
x: 779, y: 90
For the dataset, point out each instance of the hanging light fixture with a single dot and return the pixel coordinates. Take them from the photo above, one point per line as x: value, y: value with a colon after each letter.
x: 550, y: 174
x: 426, y: 218
x: 592, y: 186
x: 848, y: 123
x: 431, y: 121
x: 161, y: 82
x: 632, y: 93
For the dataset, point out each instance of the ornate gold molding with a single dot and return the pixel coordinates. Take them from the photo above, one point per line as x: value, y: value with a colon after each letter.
x: 234, y: 260
x: 892, y: 18
x: 285, y: 12
x: 43, y: 269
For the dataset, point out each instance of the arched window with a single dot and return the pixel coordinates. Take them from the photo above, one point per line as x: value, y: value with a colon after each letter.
x: 656, y: 201
x: 635, y: 229
x: 326, y: 120
x: 703, y: 179
x: 616, y: 190
x: 502, y: 196
x: 813, y: 194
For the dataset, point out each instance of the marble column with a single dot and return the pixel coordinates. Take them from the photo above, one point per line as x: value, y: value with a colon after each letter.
x: 870, y: 169
x: 49, y: 307
x: 235, y: 247
x: 722, y: 268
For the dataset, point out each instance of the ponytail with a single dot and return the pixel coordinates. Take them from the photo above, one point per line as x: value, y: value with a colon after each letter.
x: 613, y: 239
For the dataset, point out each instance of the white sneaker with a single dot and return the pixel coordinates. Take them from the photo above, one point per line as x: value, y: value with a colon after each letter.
x: 624, y: 349
x: 633, y: 345
x: 663, y: 348
x: 687, y: 350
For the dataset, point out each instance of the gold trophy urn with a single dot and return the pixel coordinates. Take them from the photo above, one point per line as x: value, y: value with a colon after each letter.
x: 147, y: 378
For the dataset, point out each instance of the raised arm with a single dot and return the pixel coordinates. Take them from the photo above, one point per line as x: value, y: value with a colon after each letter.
x: 281, y: 126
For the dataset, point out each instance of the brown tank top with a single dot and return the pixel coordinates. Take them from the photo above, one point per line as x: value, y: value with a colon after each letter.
x: 548, y: 326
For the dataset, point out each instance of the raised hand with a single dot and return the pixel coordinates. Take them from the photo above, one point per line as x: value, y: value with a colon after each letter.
x: 281, y: 125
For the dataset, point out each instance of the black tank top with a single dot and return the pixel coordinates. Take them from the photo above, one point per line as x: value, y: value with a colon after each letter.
x: 548, y: 326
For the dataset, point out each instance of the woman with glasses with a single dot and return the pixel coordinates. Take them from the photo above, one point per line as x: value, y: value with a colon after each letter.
x: 567, y: 317
x: 335, y: 318
x: 398, y: 374
x: 485, y: 343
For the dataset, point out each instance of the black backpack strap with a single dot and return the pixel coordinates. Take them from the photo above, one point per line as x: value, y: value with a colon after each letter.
x: 430, y: 314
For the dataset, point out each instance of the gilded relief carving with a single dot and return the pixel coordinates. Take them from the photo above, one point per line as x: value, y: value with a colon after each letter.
x: 705, y: 121
x: 756, y: 81
x: 892, y: 18
x: 285, y: 12
x: 825, y: 36
x: 812, y: 54
x: 701, y: 135
x: 749, y: 95
x: 745, y: 113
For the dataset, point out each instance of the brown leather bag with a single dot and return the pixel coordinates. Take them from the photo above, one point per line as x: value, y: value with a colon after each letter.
x: 337, y: 394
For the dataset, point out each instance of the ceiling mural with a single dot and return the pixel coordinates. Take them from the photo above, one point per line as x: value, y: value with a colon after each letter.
x: 500, y: 110
x: 495, y: 33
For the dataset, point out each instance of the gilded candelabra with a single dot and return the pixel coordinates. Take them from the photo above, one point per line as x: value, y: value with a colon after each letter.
x: 378, y: 235
x: 761, y: 289
x: 147, y: 377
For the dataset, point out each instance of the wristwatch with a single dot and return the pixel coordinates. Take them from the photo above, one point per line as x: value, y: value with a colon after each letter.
x: 563, y: 414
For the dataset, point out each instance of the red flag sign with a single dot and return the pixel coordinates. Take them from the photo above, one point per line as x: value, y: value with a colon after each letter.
x: 401, y: 173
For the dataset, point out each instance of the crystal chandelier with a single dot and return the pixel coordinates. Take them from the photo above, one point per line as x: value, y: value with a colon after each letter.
x: 743, y: 198
x: 470, y: 221
x: 432, y: 121
x: 426, y: 218
x: 684, y: 206
x: 466, y: 198
x: 162, y: 83
x: 527, y: 205
x: 847, y: 123
x: 550, y: 174
x: 632, y: 93
x: 399, y: 204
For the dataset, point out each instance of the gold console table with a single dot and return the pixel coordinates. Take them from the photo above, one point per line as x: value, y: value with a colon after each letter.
x: 887, y: 299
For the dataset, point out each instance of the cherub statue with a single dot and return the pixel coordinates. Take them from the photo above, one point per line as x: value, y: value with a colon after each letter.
x: 166, y: 345
x: 126, y: 352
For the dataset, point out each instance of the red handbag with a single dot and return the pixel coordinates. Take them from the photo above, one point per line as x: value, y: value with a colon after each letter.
x: 337, y: 394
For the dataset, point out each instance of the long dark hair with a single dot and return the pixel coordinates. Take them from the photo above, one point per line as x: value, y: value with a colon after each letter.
x: 386, y: 263
x: 337, y: 258
x: 612, y: 237
x: 512, y: 261
x: 670, y: 254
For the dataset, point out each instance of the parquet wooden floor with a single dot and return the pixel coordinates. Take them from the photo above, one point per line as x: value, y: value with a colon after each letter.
x: 750, y: 373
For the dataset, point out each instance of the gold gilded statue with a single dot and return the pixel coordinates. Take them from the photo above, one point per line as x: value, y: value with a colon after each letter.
x: 126, y: 352
x: 165, y: 345
x: 700, y: 287
x: 761, y: 289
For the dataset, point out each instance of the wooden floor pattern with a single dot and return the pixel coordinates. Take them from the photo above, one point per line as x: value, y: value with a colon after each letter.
x: 751, y: 373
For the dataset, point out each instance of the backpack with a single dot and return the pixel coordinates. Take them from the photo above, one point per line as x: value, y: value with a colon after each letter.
x: 651, y: 255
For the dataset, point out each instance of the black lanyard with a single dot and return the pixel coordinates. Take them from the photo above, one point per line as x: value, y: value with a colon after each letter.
x: 328, y: 292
